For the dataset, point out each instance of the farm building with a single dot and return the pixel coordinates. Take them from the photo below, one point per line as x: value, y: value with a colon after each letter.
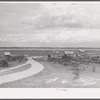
x: 7, y: 54
x: 71, y: 53
x: 81, y: 50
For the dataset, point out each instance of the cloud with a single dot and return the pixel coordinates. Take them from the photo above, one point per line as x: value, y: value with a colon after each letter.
x: 57, y: 14
x: 50, y: 24
x: 44, y: 15
x: 58, y: 36
x: 72, y: 15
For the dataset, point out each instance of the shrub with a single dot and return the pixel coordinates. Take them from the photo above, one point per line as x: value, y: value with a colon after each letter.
x: 4, y: 63
x: 49, y: 57
x: 18, y: 58
x: 64, y: 56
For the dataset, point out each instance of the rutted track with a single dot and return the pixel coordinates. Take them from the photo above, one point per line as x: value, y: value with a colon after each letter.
x: 35, y: 68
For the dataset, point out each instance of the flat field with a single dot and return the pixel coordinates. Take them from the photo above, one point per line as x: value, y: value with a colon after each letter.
x: 59, y: 76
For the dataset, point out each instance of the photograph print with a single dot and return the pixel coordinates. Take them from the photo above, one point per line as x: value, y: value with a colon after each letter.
x: 50, y: 45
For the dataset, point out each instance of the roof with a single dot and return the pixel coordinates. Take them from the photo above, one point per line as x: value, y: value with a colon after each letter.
x: 69, y: 52
x: 6, y: 53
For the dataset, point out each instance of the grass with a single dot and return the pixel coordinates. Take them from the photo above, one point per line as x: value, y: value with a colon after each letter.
x: 51, y: 71
x: 59, y: 76
x: 15, y: 70
x: 12, y: 64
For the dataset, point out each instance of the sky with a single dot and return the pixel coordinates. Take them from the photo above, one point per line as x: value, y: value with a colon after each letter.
x: 59, y: 24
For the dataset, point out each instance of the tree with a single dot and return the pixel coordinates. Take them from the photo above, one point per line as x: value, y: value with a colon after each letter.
x: 64, y: 56
x: 49, y: 57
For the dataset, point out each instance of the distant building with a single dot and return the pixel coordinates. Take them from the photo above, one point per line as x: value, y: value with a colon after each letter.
x: 81, y: 50
x: 69, y: 52
x: 7, y: 54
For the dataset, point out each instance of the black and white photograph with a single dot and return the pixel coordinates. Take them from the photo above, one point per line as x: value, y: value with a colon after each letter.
x: 50, y: 45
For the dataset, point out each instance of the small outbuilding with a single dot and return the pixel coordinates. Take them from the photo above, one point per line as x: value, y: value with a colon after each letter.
x: 69, y: 52
x: 82, y: 50
x: 7, y: 54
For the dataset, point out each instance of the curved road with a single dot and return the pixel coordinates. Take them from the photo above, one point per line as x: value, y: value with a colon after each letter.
x: 35, y: 68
